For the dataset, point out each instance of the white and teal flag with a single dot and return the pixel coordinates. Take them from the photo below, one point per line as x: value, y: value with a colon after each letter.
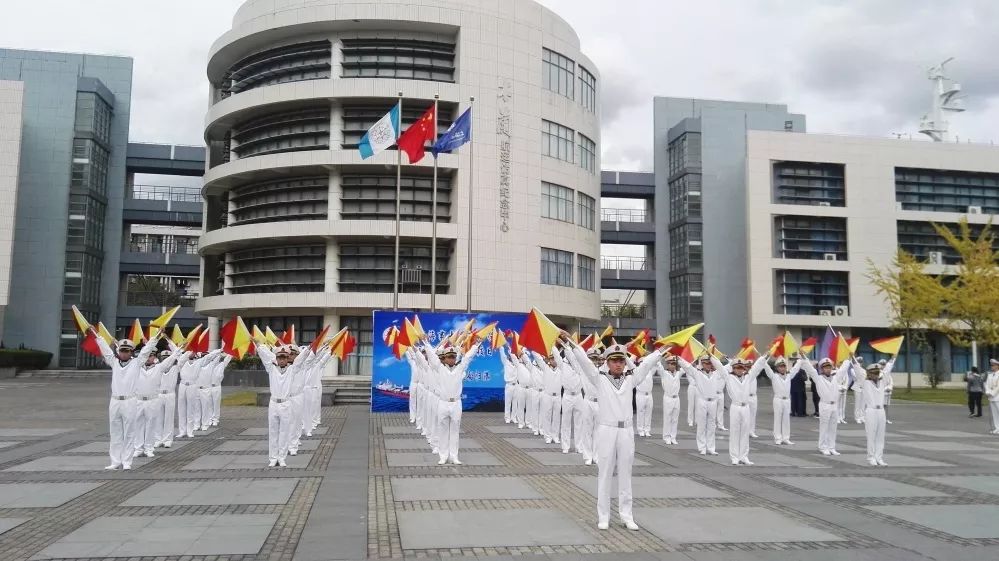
x: 382, y: 135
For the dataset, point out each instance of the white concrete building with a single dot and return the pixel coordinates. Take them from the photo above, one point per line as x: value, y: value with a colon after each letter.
x: 821, y: 208
x: 299, y: 229
x: 11, y: 124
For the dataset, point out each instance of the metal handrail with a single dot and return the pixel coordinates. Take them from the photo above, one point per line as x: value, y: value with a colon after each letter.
x: 625, y: 263
x: 165, y: 193
x: 622, y: 215
x: 169, y: 246
x: 634, y: 311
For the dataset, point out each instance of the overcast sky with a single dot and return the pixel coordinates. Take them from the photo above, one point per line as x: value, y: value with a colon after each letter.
x: 853, y: 67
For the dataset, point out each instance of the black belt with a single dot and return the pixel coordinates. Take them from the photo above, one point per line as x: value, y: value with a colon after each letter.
x: 119, y: 397
x: 277, y: 400
x: 144, y: 398
x: 618, y: 424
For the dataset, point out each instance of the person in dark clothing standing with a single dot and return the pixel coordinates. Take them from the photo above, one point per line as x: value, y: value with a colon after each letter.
x: 976, y: 385
x: 815, y: 399
x: 798, y: 392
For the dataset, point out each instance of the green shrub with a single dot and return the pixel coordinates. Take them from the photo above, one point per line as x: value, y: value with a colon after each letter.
x: 248, y: 363
x: 27, y: 359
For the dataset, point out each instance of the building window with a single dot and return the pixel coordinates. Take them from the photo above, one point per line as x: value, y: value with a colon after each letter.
x: 409, y: 59
x: 587, y: 211
x: 685, y: 197
x: 93, y: 115
x: 587, y: 272
x: 809, y: 183
x: 556, y: 202
x: 299, y: 198
x: 810, y: 237
x: 287, y: 131
x: 947, y: 191
x: 556, y: 267
x: 372, y: 197
x: 369, y: 267
x: 281, y: 65
x: 278, y: 269
x: 359, y: 362
x: 587, y: 154
x: 587, y: 90
x: 89, y: 170
x: 557, y: 141
x: 684, y: 152
x: 812, y: 292
x: 358, y: 118
x: 921, y: 240
x: 685, y: 247
x: 559, y: 73
x: 307, y: 328
x: 686, y: 299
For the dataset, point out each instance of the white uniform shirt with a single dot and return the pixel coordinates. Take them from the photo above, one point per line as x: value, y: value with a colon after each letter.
x: 873, y: 393
x: 568, y: 377
x: 782, y: 382
x: 450, y: 380
x: 669, y: 380
x: 615, y: 403
x: 123, y: 376
x: 703, y: 381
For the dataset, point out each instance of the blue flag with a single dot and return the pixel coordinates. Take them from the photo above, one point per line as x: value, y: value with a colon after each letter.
x: 459, y: 133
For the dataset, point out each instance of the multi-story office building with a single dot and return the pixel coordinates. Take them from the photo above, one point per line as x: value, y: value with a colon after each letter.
x: 71, y: 185
x: 701, y: 221
x: 11, y: 123
x: 823, y: 209
x: 299, y: 229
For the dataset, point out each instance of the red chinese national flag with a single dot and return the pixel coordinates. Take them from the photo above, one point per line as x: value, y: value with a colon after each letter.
x: 539, y: 333
x: 413, y: 141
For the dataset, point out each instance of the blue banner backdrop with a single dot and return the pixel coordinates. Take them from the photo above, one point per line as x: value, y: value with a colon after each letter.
x: 483, y: 387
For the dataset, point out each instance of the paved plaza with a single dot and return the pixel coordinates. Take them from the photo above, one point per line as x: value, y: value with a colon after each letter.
x: 367, y: 487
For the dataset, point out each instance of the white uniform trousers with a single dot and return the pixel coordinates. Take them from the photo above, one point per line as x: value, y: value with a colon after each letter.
x: 168, y: 409
x: 704, y: 417
x: 841, y: 407
x: 296, y: 423
x: 572, y: 420
x: 435, y: 404
x: 782, y: 420
x: 994, y: 409
x: 691, y: 403
x: 615, y: 448
x: 421, y: 406
x: 738, y: 437
x: 874, y: 425
x: 192, y: 399
x: 317, y: 405
x: 827, y: 425
x: 587, y: 429
x: 216, y: 404
x: 530, y: 411
x: 508, y: 391
x: 121, y: 416
x: 206, y: 408
x: 553, y: 416
x: 146, y: 425
x: 278, y: 429
x: 182, y: 409
x: 519, y: 405
x: 858, y: 406
x: 719, y: 403
x: 671, y: 416
x: 448, y: 428
x: 545, y: 414
x: 754, y: 405
x: 643, y: 412
x: 412, y: 403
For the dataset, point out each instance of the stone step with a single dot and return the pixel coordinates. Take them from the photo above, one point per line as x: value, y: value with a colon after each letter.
x: 50, y: 374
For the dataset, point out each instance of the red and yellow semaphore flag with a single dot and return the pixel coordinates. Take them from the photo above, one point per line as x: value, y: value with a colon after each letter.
x: 81, y: 322
x: 161, y: 322
x: 236, y: 338
x: 539, y: 333
x: 888, y: 345
x: 680, y: 338
x: 135, y: 334
x: 808, y: 345
x: 853, y: 343
x: 288, y: 337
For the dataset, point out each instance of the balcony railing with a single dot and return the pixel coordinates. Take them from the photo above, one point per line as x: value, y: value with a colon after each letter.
x: 625, y: 263
x: 623, y: 310
x: 165, y: 193
x: 622, y: 215
x: 169, y: 246
x: 163, y: 298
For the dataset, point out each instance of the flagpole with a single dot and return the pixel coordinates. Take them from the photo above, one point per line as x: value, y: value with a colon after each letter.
x: 433, y: 220
x: 398, y: 197
x: 471, y: 179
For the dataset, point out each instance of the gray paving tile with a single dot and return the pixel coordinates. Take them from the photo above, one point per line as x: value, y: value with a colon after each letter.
x: 560, y: 459
x: 118, y: 536
x: 409, y: 429
x: 978, y: 483
x: 242, y: 492
x: 242, y: 461
x: 31, y: 433
x: 963, y: 521
x: 41, y: 495
x: 851, y: 487
x: 461, y: 488
x: 421, y: 444
x: 994, y: 458
x: 72, y: 463
x: 762, y: 459
x: 894, y: 460
x: 426, y: 459
x: 506, y: 429
x: 811, y: 446
x: 944, y: 434
x: 862, y: 433
x: 656, y: 487
x: 260, y: 446
x: 8, y: 444
x: 532, y: 442
x: 725, y: 525
x: 262, y: 431
x: 947, y: 446
x: 489, y: 528
x: 8, y: 523
x: 102, y: 448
